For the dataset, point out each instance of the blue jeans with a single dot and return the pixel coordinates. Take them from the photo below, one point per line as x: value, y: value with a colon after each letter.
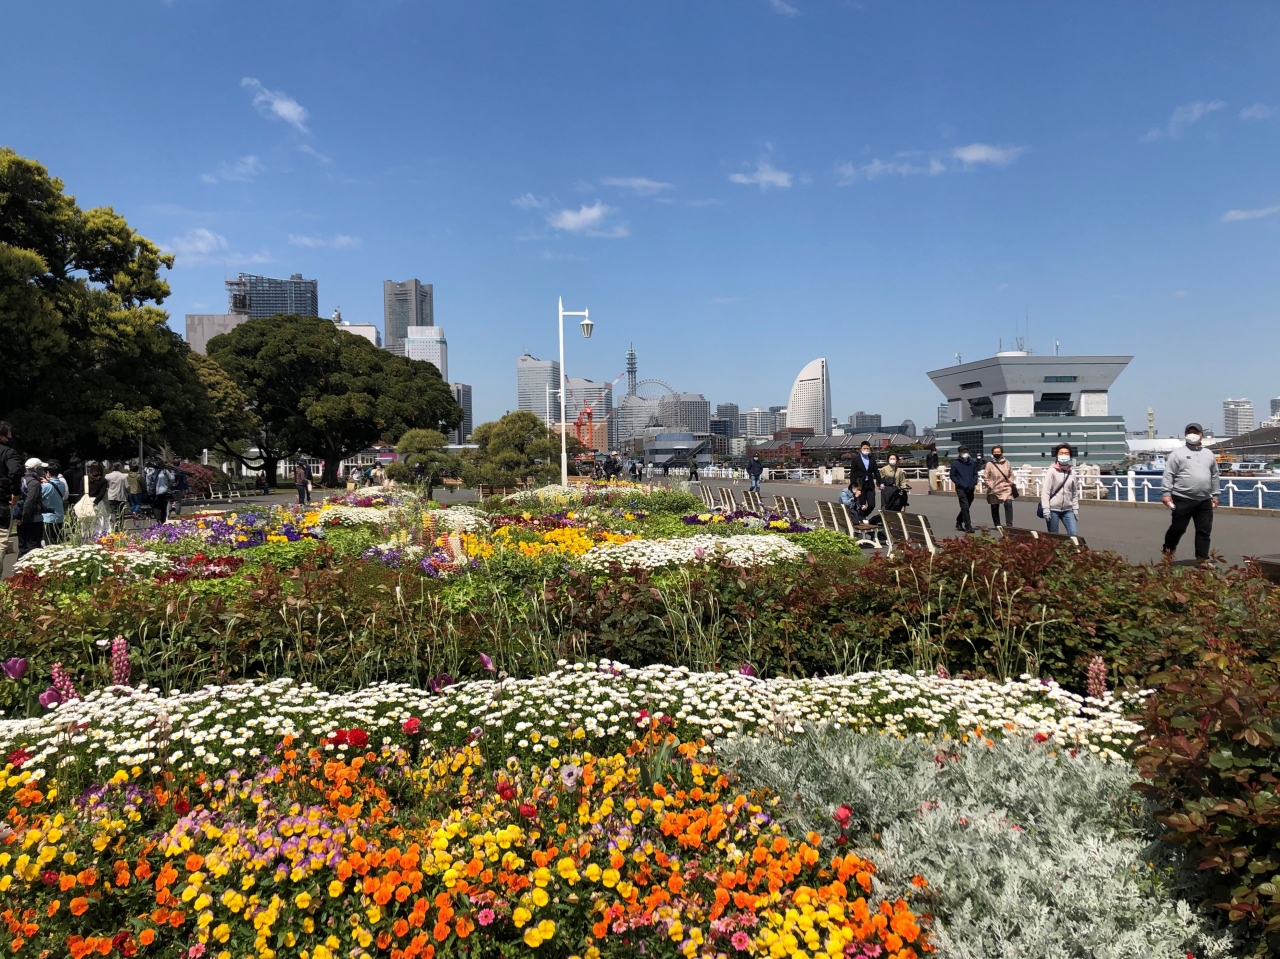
x: 1067, y: 517
x: 755, y: 483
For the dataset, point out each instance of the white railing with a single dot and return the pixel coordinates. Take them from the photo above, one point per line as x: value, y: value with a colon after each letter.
x: 1247, y: 492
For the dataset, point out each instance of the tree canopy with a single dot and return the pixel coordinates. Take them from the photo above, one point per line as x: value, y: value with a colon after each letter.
x: 518, y: 446
x: 91, y: 363
x: 317, y: 388
x: 423, y: 452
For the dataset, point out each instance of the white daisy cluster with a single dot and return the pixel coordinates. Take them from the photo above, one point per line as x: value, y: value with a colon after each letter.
x: 90, y: 561
x: 460, y: 518
x: 355, y: 516
x: 599, y: 705
x: 745, y: 550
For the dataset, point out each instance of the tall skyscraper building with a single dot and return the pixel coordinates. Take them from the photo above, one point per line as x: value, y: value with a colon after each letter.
x: 760, y: 423
x: 730, y: 412
x: 202, y: 327
x: 944, y: 412
x: 581, y: 392
x: 810, y: 403
x: 534, y: 377
x: 866, y: 422
x: 1237, y: 417
x: 411, y: 303
x: 1275, y: 406
x: 685, y: 412
x: 256, y: 296
x: 428, y: 343
x: 462, y: 393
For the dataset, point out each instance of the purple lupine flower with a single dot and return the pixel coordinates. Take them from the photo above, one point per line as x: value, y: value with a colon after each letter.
x: 746, y: 669
x: 62, y: 683
x: 16, y: 667
x: 1096, y: 678
x: 942, y: 672
x: 487, y: 663
x: 119, y: 661
x: 439, y: 683
x: 49, y: 698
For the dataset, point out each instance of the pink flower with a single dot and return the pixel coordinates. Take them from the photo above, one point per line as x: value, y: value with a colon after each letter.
x: 412, y: 726
x: 484, y: 917
x: 741, y: 941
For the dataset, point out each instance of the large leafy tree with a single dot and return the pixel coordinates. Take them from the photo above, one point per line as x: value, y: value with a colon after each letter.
x: 90, y: 362
x: 423, y: 452
x: 317, y: 388
x: 515, y: 448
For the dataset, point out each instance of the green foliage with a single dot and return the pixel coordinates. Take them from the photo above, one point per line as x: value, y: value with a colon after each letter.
x: 1209, y: 755
x: 79, y: 303
x: 424, y: 455
x: 663, y: 500
x: 398, y: 472
x: 1027, y: 852
x: 827, y: 542
x: 317, y: 388
x: 515, y: 448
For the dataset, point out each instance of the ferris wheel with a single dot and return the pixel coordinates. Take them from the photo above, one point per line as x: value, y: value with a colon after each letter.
x: 656, y: 389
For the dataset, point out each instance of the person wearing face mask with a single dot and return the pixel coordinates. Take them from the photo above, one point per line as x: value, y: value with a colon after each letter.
x: 862, y: 479
x: 1060, y: 493
x: 1190, y: 489
x: 894, y: 486
x: 1001, y: 489
x: 964, y: 476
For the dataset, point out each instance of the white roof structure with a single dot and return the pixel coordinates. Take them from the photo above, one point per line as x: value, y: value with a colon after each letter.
x: 810, y: 403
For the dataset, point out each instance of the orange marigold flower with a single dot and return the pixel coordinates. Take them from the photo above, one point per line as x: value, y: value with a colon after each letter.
x: 194, y: 862
x: 147, y: 936
x: 79, y: 906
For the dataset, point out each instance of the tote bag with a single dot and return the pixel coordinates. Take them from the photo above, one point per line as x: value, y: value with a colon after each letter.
x: 84, y: 509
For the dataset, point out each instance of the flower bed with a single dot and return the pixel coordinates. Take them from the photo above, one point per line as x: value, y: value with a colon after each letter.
x: 90, y: 562
x: 742, y: 550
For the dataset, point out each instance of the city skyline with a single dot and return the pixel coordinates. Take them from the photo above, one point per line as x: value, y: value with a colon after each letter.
x: 927, y: 181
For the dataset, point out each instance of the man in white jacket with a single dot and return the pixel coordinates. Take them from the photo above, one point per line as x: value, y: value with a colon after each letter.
x: 1190, y: 490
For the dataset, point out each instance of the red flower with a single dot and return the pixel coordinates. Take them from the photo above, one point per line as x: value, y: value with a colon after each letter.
x: 357, y: 738
x: 643, y: 717
x: 507, y: 791
x: 1040, y: 737
x: 843, y: 815
x: 528, y: 810
x: 49, y: 877
x: 18, y: 757
x: 181, y: 806
x: 119, y: 940
x: 412, y: 726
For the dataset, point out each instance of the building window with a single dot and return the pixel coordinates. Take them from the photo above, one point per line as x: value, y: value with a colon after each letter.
x: 971, y: 386
x: 1059, y: 379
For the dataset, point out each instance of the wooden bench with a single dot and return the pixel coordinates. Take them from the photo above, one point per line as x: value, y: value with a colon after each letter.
x: 900, y: 528
x: 1023, y: 535
x: 1268, y: 566
x: 728, y: 501
x: 1016, y: 533
x: 835, y: 516
x: 705, y: 492
x: 751, y: 501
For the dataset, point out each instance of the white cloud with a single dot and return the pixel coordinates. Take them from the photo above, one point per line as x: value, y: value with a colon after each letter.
x: 784, y: 8
x: 243, y: 170
x: 277, y: 105
x: 902, y: 164
x: 1183, y: 117
x: 315, y: 242
x: 529, y: 202
x: 979, y: 154
x: 1234, y: 216
x: 587, y: 220
x: 765, y: 176
x: 198, y: 242
x: 639, y: 185
x: 1259, y: 111
x: 706, y: 202
x: 308, y: 149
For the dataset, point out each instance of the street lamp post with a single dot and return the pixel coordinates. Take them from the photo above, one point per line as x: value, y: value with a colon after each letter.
x: 587, y: 326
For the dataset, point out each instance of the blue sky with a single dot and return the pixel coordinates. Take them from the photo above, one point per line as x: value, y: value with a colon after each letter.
x: 736, y: 186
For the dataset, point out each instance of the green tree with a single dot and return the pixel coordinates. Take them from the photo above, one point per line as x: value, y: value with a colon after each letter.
x: 517, y: 447
x: 423, y: 452
x: 92, y: 363
x: 317, y: 388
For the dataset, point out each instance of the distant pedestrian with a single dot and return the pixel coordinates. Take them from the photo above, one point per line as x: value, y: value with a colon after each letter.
x: 1001, y: 488
x: 693, y: 471
x: 74, y: 476
x: 863, y: 479
x: 755, y: 470
x: 894, y: 486
x: 11, y: 471
x: 53, y: 503
x: 964, y: 476
x: 137, y: 486
x: 31, y: 518
x: 1190, y: 490
x: 166, y: 488
x: 302, y: 480
x: 849, y: 499
x: 117, y: 492
x: 1060, y: 493
x: 931, y: 460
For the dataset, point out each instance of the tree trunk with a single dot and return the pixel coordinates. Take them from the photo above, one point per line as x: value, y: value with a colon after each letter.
x: 271, y: 467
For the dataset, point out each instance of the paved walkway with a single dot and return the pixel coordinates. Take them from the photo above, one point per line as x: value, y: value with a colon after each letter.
x: 1136, y: 532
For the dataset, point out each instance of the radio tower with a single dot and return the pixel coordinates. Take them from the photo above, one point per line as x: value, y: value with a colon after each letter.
x: 631, y: 370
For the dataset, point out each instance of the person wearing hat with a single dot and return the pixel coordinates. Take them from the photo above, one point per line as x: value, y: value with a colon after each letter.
x: 31, y: 519
x: 1190, y: 490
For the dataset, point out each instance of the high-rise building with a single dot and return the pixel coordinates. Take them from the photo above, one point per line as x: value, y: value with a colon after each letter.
x: 1027, y: 403
x: 723, y: 426
x: 685, y: 412
x: 810, y: 403
x: 411, y: 303
x: 908, y: 428
x: 760, y: 423
x: 581, y: 392
x: 253, y: 295
x: 1275, y: 406
x: 1237, y: 417
x: 534, y: 378
x: 366, y: 330
x: 202, y: 327
x: 730, y: 412
x: 462, y: 393
x: 866, y: 422
x: 779, y: 416
x: 944, y: 412
x: 428, y: 343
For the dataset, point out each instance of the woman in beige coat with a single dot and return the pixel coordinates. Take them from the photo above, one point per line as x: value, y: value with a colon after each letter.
x: 1001, y: 489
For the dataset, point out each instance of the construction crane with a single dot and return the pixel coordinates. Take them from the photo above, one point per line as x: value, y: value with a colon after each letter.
x: 587, y: 414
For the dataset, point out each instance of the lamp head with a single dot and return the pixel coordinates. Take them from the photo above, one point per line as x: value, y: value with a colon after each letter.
x: 587, y: 326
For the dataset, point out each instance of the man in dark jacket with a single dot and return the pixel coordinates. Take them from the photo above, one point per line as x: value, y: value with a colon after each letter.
x: 964, y: 476
x: 31, y: 520
x: 863, y: 476
x: 11, y: 471
x: 755, y: 469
